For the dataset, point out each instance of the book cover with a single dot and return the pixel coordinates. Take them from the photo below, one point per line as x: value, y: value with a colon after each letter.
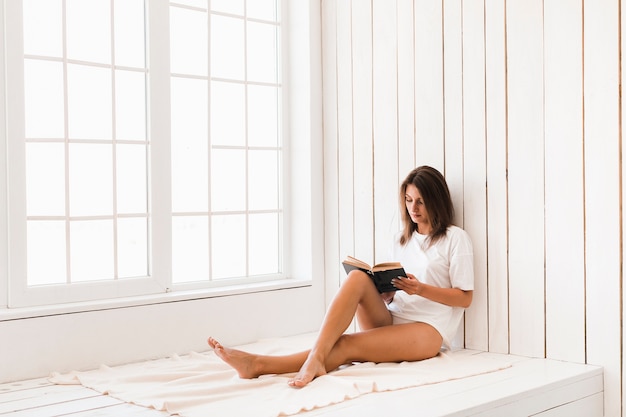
x: 381, y: 274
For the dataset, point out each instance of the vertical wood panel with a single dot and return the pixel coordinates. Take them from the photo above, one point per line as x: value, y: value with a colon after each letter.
x: 565, y: 281
x: 525, y: 161
x: 4, y: 227
x: 497, y: 268
x: 623, y: 184
x: 362, y: 127
x: 344, y: 128
x: 331, y: 168
x: 406, y: 89
x: 429, y: 120
x: 452, y: 167
x: 475, y: 168
x: 453, y: 103
x: 385, y: 119
x: 602, y: 193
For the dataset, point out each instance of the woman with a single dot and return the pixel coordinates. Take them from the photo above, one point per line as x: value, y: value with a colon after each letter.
x: 410, y: 324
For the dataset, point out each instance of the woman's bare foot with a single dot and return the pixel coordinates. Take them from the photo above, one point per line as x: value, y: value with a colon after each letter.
x: 312, y: 368
x: 242, y: 362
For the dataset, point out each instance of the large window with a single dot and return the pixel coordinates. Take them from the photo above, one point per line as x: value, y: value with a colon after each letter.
x: 226, y: 139
x: 145, y: 146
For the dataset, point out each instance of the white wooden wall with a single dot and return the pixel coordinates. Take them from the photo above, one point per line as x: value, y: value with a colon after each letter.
x: 518, y: 103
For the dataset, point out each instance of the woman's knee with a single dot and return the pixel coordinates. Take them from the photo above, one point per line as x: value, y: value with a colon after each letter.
x: 356, y: 275
x: 359, y: 282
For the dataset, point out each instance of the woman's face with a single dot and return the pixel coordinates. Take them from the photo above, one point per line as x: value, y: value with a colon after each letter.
x: 416, y: 209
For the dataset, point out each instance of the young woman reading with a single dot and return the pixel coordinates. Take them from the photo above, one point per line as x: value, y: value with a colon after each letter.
x: 411, y: 324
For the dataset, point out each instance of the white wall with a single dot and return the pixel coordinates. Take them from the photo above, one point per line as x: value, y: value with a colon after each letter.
x: 34, y: 347
x: 518, y: 103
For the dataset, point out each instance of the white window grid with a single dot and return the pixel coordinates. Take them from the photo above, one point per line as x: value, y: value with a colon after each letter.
x: 38, y: 295
x: 114, y: 144
x: 238, y: 267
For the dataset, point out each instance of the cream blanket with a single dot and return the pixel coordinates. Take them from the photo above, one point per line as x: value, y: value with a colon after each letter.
x: 200, y: 384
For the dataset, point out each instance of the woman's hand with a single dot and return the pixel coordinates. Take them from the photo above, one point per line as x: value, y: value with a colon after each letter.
x: 454, y: 297
x: 408, y: 284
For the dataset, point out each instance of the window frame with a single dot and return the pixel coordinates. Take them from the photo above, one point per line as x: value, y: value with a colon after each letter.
x: 20, y: 294
x: 306, y: 154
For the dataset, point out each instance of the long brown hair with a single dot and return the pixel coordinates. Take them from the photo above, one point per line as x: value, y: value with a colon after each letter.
x: 436, y: 196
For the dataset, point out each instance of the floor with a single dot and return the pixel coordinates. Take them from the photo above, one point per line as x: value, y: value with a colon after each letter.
x: 40, y: 398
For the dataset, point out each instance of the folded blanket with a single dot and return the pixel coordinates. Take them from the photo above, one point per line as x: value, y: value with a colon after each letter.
x: 200, y: 384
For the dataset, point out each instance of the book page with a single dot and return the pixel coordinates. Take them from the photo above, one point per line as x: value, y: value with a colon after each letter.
x: 357, y: 263
x: 386, y: 265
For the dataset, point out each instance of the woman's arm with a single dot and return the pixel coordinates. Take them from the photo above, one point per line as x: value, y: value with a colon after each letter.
x: 449, y: 296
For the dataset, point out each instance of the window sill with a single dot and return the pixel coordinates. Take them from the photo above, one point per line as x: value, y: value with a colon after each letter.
x: 8, y: 314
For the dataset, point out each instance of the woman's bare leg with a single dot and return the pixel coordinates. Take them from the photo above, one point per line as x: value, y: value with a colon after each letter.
x: 403, y: 342
x: 250, y: 365
x: 380, y: 343
x: 356, y: 294
x: 397, y: 343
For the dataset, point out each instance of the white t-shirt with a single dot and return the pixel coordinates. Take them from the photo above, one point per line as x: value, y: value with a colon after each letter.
x: 448, y: 263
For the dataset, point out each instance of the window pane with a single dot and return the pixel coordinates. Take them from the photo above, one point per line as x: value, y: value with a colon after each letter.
x: 129, y: 33
x: 89, y: 102
x: 261, y: 9
x: 46, y: 252
x: 45, y: 179
x: 264, y: 244
x: 130, y: 105
x: 188, y: 41
x: 228, y: 180
x: 132, y: 247
x: 89, y: 30
x: 228, y: 246
x: 263, y: 116
x: 227, y: 58
x: 43, y: 34
x: 190, y: 178
x: 190, y: 109
x: 43, y: 96
x: 91, y: 248
x: 190, y: 249
x: 228, y: 114
x: 91, y: 178
x: 132, y: 178
x: 190, y: 155
x: 228, y: 6
x: 262, y: 52
x: 263, y: 180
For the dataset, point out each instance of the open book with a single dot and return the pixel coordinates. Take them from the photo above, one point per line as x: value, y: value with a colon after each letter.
x: 381, y: 274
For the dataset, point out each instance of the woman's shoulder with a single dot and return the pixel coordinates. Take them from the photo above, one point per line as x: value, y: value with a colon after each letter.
x: 457, y: 235
x: 454, y: 230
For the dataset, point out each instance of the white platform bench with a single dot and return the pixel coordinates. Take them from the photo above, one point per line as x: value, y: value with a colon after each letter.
x: 531, y: 387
